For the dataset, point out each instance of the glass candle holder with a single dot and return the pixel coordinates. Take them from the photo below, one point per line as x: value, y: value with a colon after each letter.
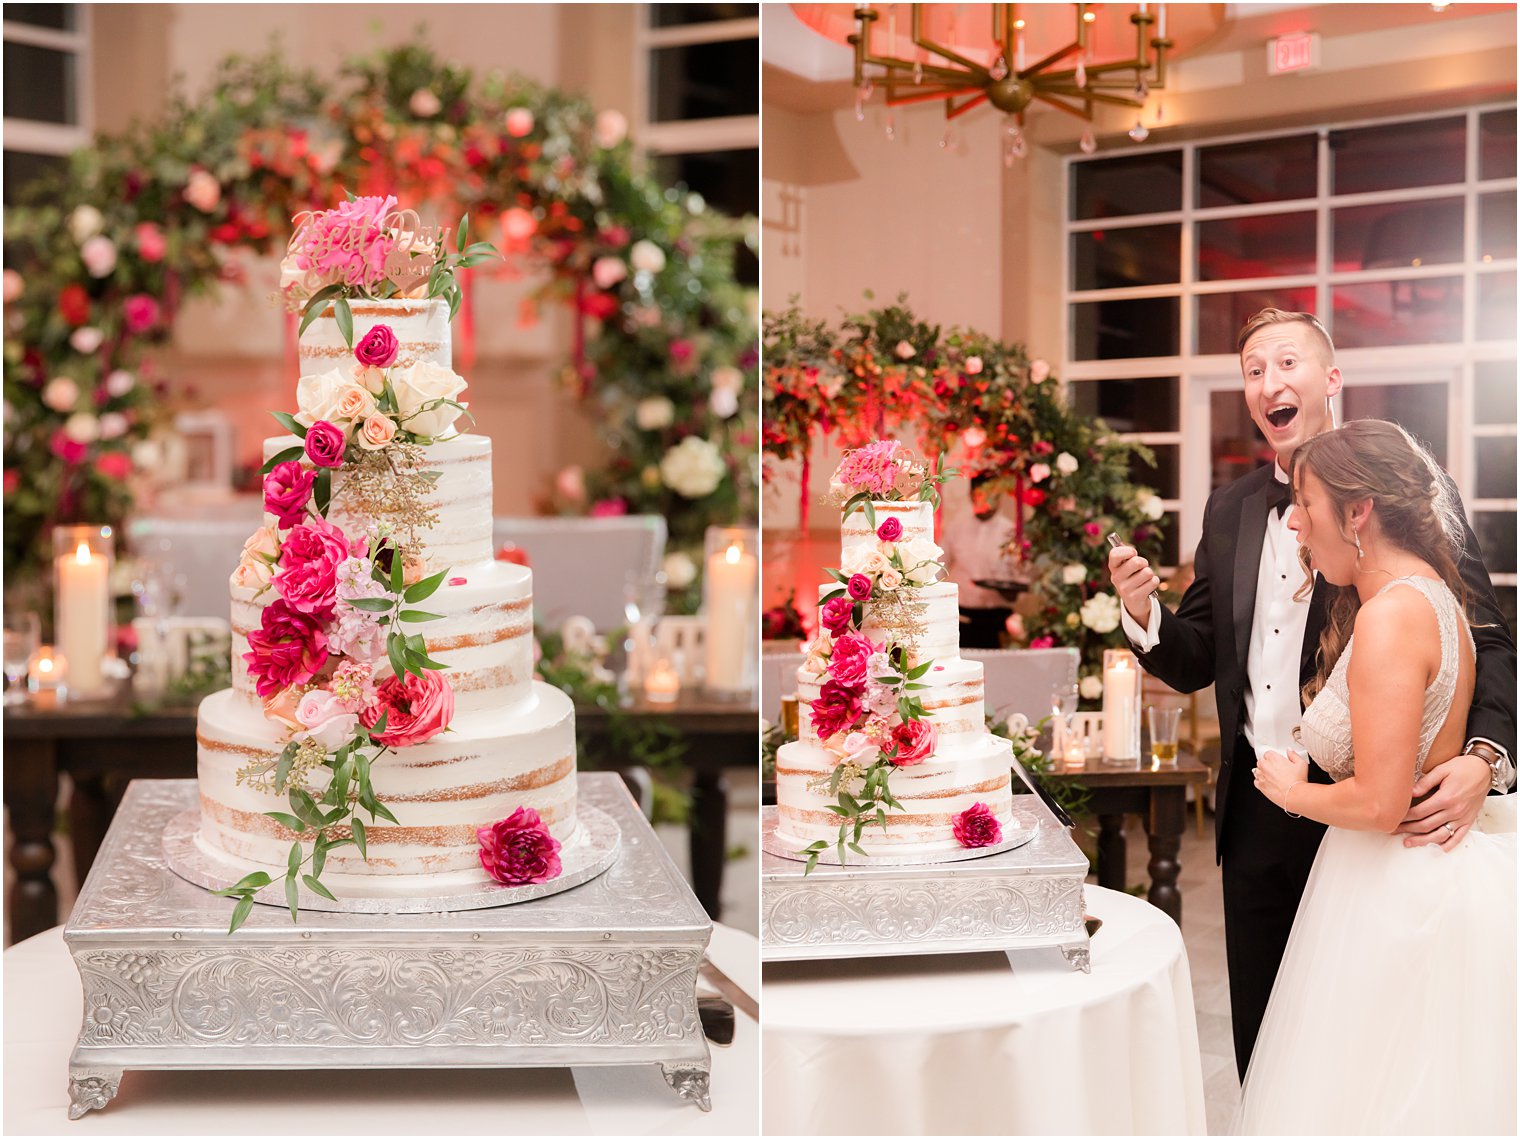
x: 47, y: 676
x: 1121, y: 707
x: 662, y: 683
x: 82, y: 559
x: 731, y: 602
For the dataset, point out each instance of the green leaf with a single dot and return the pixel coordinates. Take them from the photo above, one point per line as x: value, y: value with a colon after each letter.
x: 372, y: 604
x: 290, y: 424
x: 915, y: 673
x: 255, y: 881
x: 398, y: 579
x: 292, y: 896
x: 318, y: 860
x: 305, y: 806
x: 870, y: 516
x: 417, y: 615
x: 240, y: 914
x: 422, y: 590
x: 359, y: 838
x: 395, y: 648
x: 456, y: 299
x: 831, y: 594
x: 290, y: 822
x: 383, y: 812
x: 282, y: 769
x: 463, y: 234
x: 856, y: 848
x: 281, y: 457
x: 317, y: 303
x: 293, y: 863
x: 317, y: 888
x: 345, y: 317
x: 322, y: 490
x: 837, y: 576
x: 473, y: 259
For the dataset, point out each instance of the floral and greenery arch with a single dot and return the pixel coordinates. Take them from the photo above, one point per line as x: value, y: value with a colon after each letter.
x: 1002, y: 420
x: 99, y: 261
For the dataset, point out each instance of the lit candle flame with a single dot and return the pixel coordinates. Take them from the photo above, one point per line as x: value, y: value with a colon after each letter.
x: 82, y: 554
x: 45, y: 664
x: 732, y: 556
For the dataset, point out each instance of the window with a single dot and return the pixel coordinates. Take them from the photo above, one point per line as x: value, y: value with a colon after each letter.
x: 700, y: 106
x: 1398, y: 234
x: 47, y: 105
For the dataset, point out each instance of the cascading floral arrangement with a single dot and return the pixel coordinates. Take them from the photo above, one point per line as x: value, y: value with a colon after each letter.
x: 100, y: 260
x: 1005, y: 420
x: 867, y: 712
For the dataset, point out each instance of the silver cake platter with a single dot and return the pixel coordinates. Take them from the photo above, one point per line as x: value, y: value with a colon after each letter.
x: 602, y: 974
x: 1027, y: 896
x: 592, y: 849
x: 772, y: 843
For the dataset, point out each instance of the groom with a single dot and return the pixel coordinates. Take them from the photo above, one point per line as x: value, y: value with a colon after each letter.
x: 1240, y: 628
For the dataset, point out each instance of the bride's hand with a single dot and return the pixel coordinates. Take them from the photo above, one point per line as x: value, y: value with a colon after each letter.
x: 1276, y: 774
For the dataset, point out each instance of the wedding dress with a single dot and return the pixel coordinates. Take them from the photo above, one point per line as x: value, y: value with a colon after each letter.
x: 1394, y: 1007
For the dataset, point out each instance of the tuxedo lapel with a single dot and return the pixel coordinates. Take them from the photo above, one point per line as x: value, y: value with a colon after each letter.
x: 1319, y: 605
x: 1250, y: 533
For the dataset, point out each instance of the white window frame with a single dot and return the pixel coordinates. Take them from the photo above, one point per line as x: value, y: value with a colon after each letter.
x: 1200, y: 375
x: 31, y: 137
x: 690, y: 136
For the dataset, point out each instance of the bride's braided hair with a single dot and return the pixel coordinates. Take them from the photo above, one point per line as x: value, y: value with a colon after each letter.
x: 1416, y: 507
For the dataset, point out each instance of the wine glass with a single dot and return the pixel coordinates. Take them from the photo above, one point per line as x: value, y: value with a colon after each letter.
x: 23, y: 635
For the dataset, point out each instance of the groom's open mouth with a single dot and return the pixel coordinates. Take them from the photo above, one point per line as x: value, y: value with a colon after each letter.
x: 1281, y: 415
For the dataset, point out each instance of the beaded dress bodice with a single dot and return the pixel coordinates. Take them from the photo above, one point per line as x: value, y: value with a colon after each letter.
x: 1325, y: 731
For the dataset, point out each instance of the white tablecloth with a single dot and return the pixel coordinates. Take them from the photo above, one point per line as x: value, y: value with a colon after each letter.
x: 964, y: 1044
x: 43, y: 1014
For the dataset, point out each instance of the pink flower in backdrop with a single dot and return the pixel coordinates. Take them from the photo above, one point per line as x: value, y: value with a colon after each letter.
x: 517, y: 225
x: 151, y: 245
x: 870, y: 467
x: 416, y: 708
x: 139, y: 312
x: 309, y: 561
x: 859, y: 587
x: 378, y: 347
x: 977, y: 826
x: 12, y: 480
x: 203, y: 191
x: 680, y: 351
x: 848, y: 665
x: 1040, y: 447
x: 915, y: 742
x: 1039, y: 472
x: 348, y: 245
x: 974, y: 437
x: 890, y: 530
x: 1044, y: 642
x: 69, y: 450
x: 519, y: 122
x: 325, y: 444
x: 1014, y: 626
x: 288, y: 648
x: 835, y: 708
x: 114, y: 465
x: 609, y: 508
x: 836, y: 614
x: 519, y: 850
x: 287, y: 489
x: 973, y: 365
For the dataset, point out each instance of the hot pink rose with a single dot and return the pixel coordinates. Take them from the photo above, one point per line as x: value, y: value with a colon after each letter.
x: 139, y: 312
x: 836, y: 615
x: 325, y: 444
x: 609, y: 508
x: 309, y: 561
x: 287, y: 489
x: 519, y: 849
x: 915, y: 742
x: 859, y: 587
x: 977, y: 826
x: 890, y: 530
x: 69, y: 450
x: 287, y: 649
x: 848, y: 665
x: 378, y: 347
x: 1046, y: 642
x: 835, y: 708
x: 151, y: 245
x: 416, y: 708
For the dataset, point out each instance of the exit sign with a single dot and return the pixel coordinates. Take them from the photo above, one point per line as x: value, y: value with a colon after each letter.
x: 1296, y: 52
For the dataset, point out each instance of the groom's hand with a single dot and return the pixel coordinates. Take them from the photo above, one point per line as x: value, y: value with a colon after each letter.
x: 1133, y: 580
x: 1456, y: 790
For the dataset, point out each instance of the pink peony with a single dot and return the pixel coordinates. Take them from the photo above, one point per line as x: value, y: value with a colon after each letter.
x: 870, y: 467
x: 287, y: 489
x: 835, y: 708
x: 519, y: 850
x: 416, y: 708
x: 378, y: 348
x: 977, y: 826
x: 309, y: 561
x: 347, y: 245
x: 139, y: 312
x: 859, y: 587
x: 151, y: 245
x: 849, y: 664
x: 203, y: 191
x: 890, y: 530
x: 915, y: 742
x: 836, y: 615
x: 325, y: 444
x: 288, y: 648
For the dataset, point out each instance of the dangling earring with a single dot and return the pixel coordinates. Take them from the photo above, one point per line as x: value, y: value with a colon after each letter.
x: 1357, y: 538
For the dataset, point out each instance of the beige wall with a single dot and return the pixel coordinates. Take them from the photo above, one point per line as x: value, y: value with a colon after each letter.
x: 227, y: 351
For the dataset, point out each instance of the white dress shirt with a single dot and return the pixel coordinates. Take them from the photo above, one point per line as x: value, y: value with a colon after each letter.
x: 1277, y: 637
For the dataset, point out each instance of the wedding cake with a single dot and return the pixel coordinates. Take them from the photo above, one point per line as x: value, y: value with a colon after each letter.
x: 383, y: 724
x: 894, y: 757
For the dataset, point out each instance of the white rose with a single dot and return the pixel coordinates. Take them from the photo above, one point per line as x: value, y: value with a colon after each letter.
x: 424, y: 104
x: 1074, y: 574
x: 1152, y: 507
x: 418, y: 390
x: 1066, y: 463
x: 317, y: 396
x: 147, y: 455
x: 99, y: 256
x: 82, y: 427
x: 85, y: 340
x: 922, y: 557
x: 646, y: 257
x: 1100, y: 613
x: 610, y: 129
x: 120, y: 382
x: 904, y: 350
x: 723, y: 403
x: 1039, y: 371
x: 61, y: 394
x: 874, y: 562
x: 680, y: 570
x: 113, y: 425
x: 654, y: 413
x: 693, y: 468
x: 84, y: 223
x: 252, y: 574
x: 1091, y: 688
x: 726, y: 377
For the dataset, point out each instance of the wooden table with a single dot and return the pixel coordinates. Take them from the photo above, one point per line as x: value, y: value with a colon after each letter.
x: 1159, y: 797
x: 104, y: 744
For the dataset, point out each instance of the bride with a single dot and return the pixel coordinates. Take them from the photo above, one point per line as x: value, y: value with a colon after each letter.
x: 1394, y: 1008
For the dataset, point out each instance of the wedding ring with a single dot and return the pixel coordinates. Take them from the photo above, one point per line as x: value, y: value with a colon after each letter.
x: 1449, y: 828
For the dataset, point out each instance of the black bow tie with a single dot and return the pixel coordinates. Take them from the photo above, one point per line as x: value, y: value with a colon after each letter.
x: 1279, y: 495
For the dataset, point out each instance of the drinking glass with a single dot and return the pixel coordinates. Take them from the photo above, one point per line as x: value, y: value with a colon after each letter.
x: 1165, y: 723
x: 23, y: 635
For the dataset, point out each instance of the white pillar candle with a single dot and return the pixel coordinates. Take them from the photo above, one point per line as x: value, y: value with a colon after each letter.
x: 84, y: 602
x: 1161, y: 27
x: 1121, y: 710
x: 732, y: 579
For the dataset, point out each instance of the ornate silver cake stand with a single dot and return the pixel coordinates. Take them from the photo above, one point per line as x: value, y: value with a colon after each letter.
x: 1026, y: 897
x: 601, y: 974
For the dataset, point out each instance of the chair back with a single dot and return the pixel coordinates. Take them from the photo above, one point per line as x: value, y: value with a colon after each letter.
x: 582, y: 565
x: 201, y: 547
x: 778, y: 678
x: 682, y: 641
x: 1025, y: 680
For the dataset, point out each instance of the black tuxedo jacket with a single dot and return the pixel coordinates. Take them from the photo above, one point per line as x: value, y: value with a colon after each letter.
x: 1205, y: 641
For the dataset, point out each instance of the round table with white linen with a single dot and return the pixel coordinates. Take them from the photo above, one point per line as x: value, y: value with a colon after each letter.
x: 43, y: 1011
x: 964, y: 1044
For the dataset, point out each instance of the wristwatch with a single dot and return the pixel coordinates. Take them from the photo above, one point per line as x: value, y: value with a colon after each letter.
x: 1501, y: 768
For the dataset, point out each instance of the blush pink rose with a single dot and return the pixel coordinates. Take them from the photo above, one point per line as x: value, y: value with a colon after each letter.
x: 835, y: 708
x: 354, y: 403
x: 378, y: 347
x: 416, y: 708
x: 323, y: 715
x: 849, y: 663
x: 836, y: 615
x: 309, y: 561
x: 519, y: 850
x: 287, y: 489
x: 915, y: 742
x: 977, y: 826
x: 325, y: 444
x: 288, y: 648
x: 378, y: 430
x: 151, y: 245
